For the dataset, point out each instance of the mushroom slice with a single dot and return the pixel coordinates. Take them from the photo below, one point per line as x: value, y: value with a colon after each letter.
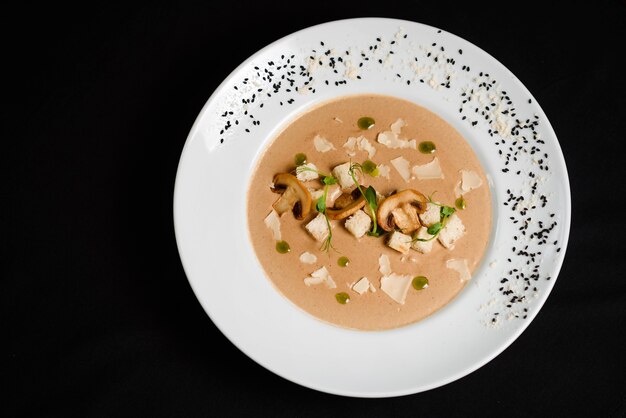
x: 405, y: 218
x: 401, y: 210
x: 294, y: 196
x: 347, y: 204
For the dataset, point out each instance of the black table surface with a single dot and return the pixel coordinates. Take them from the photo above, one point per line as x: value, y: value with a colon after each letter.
x: 100, y: 317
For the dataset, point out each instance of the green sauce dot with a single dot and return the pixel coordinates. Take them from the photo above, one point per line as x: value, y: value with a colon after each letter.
x: 369, y: 167
x: 343, y: 261
x: 342, y: 298
x: 420, y: 282
x: 460, y: 203
x: 427, y: 147
x: 300, y: 158
x: 365, y: 123
x: 282, y: 247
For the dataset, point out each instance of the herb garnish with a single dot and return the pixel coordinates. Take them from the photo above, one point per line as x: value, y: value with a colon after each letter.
x: 444, y: 214
x: 321, y: 208
x: 320, y: 205
x: 369, y: 194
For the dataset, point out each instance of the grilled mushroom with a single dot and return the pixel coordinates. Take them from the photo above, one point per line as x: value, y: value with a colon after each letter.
x: 346, y: 205
x: 401, y: 210
x: 294, y: 196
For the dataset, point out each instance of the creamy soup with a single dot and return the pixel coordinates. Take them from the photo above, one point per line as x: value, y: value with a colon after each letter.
x: 430, y: 193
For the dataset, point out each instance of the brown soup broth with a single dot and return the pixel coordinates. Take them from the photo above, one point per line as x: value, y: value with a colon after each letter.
x: 337, y: 120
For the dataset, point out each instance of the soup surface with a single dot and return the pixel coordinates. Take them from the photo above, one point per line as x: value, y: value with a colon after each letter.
x: 414, y: 283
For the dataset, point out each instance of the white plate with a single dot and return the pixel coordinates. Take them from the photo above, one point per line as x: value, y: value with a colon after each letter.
x: 451, y: 77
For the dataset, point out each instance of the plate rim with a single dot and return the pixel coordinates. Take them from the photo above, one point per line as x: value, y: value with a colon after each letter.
x: 418, y: 388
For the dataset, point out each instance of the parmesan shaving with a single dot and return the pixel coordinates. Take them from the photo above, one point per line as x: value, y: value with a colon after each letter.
x: 396, y: 286
x: 470, y: 180
x: 402, y: 166
x: 361, y: 286
x: 319, y: 276
x: 428, y: 171
x: 308, y: 258
x: 360, y: 143
x: 397, y: 126
x: 384, y: 171
x: 461, y: 267
x: 272, y: 221
x: 365, y: 145
x: 391, y: 139
x: 458, y: 192
x: 384, y: 266
x: 322, y: 144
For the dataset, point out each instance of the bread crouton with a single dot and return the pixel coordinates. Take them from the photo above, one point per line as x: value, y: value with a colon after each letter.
x: 451, y: 232
x: 358, y: 224
x: 399, y: 242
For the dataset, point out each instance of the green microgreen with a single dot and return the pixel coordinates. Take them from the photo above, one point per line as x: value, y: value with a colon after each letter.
x: 327, y: 179
x: 435, y: 228
x: 321, y: 208
x: 369, y: 194
x: 444, y: 214
x: 320, y: 205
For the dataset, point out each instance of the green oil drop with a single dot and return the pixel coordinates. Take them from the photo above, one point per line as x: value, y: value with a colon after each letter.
x: 282, y: 247
x: 420, y: 282
x: 300, y: 159
x: 365, y: 123
x: 427, y: 147
x: 342, y: 298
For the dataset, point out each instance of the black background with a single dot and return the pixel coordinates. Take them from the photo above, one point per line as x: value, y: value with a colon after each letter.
x: 100, y: 318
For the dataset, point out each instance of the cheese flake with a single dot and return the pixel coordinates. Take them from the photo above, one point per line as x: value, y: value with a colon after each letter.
x: 384, y: 266
x: 428, y: 171
x: 460, y: 266
x: 401, y: 164
x: 308, y: 258
x: 397, y: 126
x: 272, y: 221
x: 322, y: 144
x: 359, y: 143
x: 319, y: 276
x: 396, y: 286
x: 384, y: 171
x: 362, y: 286
x: 470, y: 180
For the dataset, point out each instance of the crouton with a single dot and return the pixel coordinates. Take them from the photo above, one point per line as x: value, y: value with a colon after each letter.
x: 358, y: 224
x: 318, y: 228
x: 432, y: 214
x: 451, y: 232
x: 399, y: 242
x: 423, y: 246
x: 334, y: 191
x: 342, y: 174
x: 306, y: 175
